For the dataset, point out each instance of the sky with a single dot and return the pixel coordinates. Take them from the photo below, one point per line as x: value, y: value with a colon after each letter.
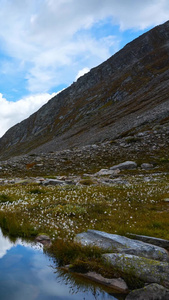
x: 45, y: 45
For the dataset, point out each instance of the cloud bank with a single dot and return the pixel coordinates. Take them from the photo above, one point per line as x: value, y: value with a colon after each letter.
x: 14, y: 112
x: 46, y: 44
x: 47, y: 38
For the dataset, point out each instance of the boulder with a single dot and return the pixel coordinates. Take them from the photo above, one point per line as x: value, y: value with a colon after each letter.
x: 152, y: 291
x: 146, y: 166
x: 127, y: 165
x: 103, y: 172
x: 148, y: 270
x: 44, y: 240
x: 151, y: 240
x: 70, y: 182
x: 117, y: 243
x: 53, y: 182
x: 115, y: 283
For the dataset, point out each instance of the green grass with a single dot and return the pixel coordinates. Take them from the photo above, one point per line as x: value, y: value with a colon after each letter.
x: 63, y: 211
x: 5, y: 198
x: 36, y: 191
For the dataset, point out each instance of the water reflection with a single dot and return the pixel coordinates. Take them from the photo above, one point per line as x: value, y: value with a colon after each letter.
x: 5, y: 245
x: 27, y: 273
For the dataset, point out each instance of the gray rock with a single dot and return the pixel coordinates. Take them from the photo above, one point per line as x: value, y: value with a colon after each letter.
x: 146, y: 166
x: 152, y: 291
x: 103, y: 172
x: 39, y: 180
x: 44, y: 240
x: 53, y: 182
x: 151, y: 240
x: 71, y: 182
x: 123, y: 244
x: 127, y: 165
x: 115, y: 283
x: 113, y: 181
x: 148, y: 270
x: 38, y: 158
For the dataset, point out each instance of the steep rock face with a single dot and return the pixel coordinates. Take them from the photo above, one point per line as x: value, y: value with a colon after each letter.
x: 128, y: 90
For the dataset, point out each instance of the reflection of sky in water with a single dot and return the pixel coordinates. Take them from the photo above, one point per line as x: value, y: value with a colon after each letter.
x: 5, y: 244
x: 26, y: 273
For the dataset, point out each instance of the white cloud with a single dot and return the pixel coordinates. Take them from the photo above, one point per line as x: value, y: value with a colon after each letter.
x: 5, y: 245
x: 14, y: 112
x: 82, y: 72
x: 49, y: 41
x: 48, y: 35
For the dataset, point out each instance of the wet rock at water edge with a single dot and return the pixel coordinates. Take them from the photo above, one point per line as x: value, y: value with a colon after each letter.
x: 115, y: 283
x: 44, y: 240
x: 148, y: 270
x: 152, y: 291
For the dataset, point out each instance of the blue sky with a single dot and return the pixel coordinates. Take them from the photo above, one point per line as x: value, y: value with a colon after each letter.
x: 46, y: 44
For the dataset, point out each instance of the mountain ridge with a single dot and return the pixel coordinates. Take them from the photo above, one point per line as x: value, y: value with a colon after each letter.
x: 118, y: 96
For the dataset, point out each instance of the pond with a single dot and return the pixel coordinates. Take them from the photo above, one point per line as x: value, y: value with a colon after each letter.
x: 26, y: 272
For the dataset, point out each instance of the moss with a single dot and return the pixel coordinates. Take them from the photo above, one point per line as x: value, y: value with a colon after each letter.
x: 86, y: 181
x: 36, y: 191
x: 6, y: 198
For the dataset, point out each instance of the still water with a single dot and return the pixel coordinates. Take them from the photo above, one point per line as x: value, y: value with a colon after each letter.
x: 26, y: 272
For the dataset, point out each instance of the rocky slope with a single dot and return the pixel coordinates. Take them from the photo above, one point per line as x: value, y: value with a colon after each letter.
x: 113, y: 100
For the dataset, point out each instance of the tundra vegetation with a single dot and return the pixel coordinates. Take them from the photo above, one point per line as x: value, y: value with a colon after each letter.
x: 140, y: 206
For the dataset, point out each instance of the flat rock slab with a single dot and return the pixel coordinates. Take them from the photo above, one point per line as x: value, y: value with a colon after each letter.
x: 53, y: 182
x: 148, y: 270
x: 127, y: 165
x: 117, y: 243
x: 153, y: 291
x: 114, y: 283
x: 151, y: 240
x: 117, y: 284
x: 103, y: 172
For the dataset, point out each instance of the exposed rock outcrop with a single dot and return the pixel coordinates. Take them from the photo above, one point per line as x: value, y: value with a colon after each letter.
x: 136, y: 259
x: 122, y: 244
x: 145, y: 269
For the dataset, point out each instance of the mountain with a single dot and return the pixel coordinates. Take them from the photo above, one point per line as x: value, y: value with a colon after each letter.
x: 113, y: 100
